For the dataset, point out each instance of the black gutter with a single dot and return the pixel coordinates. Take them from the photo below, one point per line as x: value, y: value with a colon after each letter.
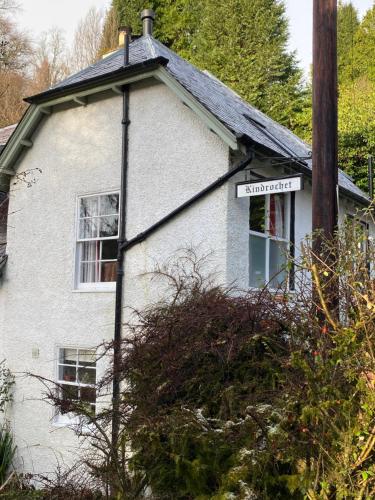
x: 93, y: 82
x: 172, y: 215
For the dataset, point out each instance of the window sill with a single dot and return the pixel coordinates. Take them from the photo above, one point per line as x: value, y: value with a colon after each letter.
x: 72, y: 422
x: 96, y: 288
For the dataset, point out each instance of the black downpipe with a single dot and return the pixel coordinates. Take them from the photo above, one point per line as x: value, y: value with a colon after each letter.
x: 120, y: 253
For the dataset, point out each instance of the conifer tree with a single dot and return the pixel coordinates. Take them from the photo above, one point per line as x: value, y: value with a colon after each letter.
x: 243, y: 43
x: 364, y: 50
x: 176, y: 20
x: 348, y: 24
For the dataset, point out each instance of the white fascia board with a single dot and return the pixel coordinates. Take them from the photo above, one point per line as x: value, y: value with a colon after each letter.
x: 36, y: 112
x: 22, y: 131
x: 206, y: 116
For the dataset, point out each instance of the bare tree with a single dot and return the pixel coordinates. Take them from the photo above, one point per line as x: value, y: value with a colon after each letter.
x: 109, y: 39
x: 8, y: 5
x: 13, y: 87
x: 87, y: 40
x: 15, y: 51
x: 50, y: 62
x: 14, y: 46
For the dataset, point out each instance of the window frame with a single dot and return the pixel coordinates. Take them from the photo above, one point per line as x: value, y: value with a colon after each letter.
x: 365, y: 226
x: 64, y: 419
x: 289, y: 230
x: 96, y: 286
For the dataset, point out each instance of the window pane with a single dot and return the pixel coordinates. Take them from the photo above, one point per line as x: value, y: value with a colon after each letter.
x: 89, y: 206
x: 108, y: 226
x: 70, y: 392
x: 88, y: 228
x: 86, y: 375
x: 87, y: 357
x: 68, y: 356
x: 278, y: 259
x: 258, y: 214
x: 277, y: 215
x: 90, y: 251
x: 88, y: 394
x: 68, y: 373
x: 89, y: 273
x: 109, y: 250
x: 109, y: 204
x: 257, y: 261
x: 108, y: 271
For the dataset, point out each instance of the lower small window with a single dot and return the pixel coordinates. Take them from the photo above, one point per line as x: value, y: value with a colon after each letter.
x: 76, y: 379
x: 268, y: 240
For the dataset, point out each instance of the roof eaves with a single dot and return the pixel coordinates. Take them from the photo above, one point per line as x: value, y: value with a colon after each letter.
x: 303, y: 167
x: 133, y: 69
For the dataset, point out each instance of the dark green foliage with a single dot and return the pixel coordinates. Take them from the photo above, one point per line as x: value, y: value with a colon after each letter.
x: 7, y: 450
x: 364, y: 48
x: 357, y: 128
x: 176, y: 22
x: 243, y: 43
x: 348, y: 23
x: 356, y: 53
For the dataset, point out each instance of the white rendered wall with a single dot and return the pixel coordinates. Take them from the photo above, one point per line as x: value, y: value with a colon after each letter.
x: 172, y: 156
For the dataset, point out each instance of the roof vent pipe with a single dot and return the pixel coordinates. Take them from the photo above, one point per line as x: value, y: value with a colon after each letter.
x: 148, y: 17
x: 125, y: 39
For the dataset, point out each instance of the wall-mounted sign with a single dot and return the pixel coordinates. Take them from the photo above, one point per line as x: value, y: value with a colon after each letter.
x: 269, y: 186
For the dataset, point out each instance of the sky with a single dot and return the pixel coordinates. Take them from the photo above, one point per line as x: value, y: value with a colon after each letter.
x: 40, y: 15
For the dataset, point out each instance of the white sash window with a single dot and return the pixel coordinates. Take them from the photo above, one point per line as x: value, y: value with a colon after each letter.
x: 76, y: 377
x: 269, y: 239
x: 97, y: 235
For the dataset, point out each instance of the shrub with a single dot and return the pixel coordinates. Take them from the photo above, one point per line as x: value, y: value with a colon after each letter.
x: 7, y: 450
x: 259, y: 395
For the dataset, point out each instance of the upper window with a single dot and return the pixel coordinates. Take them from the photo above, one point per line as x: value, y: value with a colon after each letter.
x: 97, y: 234
x: 76, y: 378
x: 269, y: 240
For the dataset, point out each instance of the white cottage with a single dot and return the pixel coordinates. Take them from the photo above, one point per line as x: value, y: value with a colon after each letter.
x: 172, y: 132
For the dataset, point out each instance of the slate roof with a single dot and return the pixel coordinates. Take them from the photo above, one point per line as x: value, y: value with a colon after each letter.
x: 236, y: 114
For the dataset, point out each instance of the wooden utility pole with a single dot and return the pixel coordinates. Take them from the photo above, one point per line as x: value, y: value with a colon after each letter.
x: 325, y: 159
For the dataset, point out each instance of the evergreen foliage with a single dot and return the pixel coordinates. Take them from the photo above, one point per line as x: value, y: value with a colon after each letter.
x: 364, y: 49
x: 242, y: 43
x: 356, y: 54
x: 348, y: 24
x: 357, y: 128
